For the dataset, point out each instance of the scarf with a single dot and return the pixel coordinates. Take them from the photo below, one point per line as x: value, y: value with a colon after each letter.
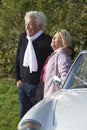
x: 30, y: 56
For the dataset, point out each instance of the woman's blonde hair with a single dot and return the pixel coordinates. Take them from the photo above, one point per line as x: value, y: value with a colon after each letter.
x: 66, y: 37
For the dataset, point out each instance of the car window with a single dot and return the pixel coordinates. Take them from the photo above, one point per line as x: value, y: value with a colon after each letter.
x: 77, y: 77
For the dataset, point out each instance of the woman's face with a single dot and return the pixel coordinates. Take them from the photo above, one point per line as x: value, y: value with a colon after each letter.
x: 56, y: 42
x: 30, y: 27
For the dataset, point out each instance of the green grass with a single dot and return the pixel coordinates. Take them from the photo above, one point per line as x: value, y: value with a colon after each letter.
x: 9, y: 107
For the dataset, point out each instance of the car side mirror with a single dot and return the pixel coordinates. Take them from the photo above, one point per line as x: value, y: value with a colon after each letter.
x: 57, y: 81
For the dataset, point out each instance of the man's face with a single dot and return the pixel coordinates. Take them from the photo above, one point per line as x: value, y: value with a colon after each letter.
x: 31, y: 27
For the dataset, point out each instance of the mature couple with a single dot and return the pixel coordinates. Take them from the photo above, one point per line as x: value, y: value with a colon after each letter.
x: 37, y: 50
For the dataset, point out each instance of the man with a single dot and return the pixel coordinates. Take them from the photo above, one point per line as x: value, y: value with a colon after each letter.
x: 33, y: 49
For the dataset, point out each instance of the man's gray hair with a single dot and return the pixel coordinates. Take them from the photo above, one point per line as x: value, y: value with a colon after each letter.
x: 39, y: 17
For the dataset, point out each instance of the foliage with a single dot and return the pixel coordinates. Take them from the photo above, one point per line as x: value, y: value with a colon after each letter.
x: 69, y: 14
x: 8, y: 104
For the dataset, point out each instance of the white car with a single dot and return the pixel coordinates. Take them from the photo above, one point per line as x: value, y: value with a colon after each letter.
x: 65, y: 109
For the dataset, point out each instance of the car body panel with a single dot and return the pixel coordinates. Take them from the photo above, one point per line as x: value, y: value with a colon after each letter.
x: 52, y: 112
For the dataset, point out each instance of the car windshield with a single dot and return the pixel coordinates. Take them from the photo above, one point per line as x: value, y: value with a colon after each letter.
x: 77, y: 77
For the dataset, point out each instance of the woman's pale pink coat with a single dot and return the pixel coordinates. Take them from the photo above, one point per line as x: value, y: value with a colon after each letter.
x: 58, y: 64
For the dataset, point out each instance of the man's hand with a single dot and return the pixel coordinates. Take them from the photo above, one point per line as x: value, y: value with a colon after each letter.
x: 67, y: 50
x: 18, y: 83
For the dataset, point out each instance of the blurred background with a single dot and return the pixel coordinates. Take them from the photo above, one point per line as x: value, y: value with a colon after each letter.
x: 68, y: 14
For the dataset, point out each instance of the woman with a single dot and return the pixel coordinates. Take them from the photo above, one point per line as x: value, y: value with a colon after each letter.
x: 58, y: 63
